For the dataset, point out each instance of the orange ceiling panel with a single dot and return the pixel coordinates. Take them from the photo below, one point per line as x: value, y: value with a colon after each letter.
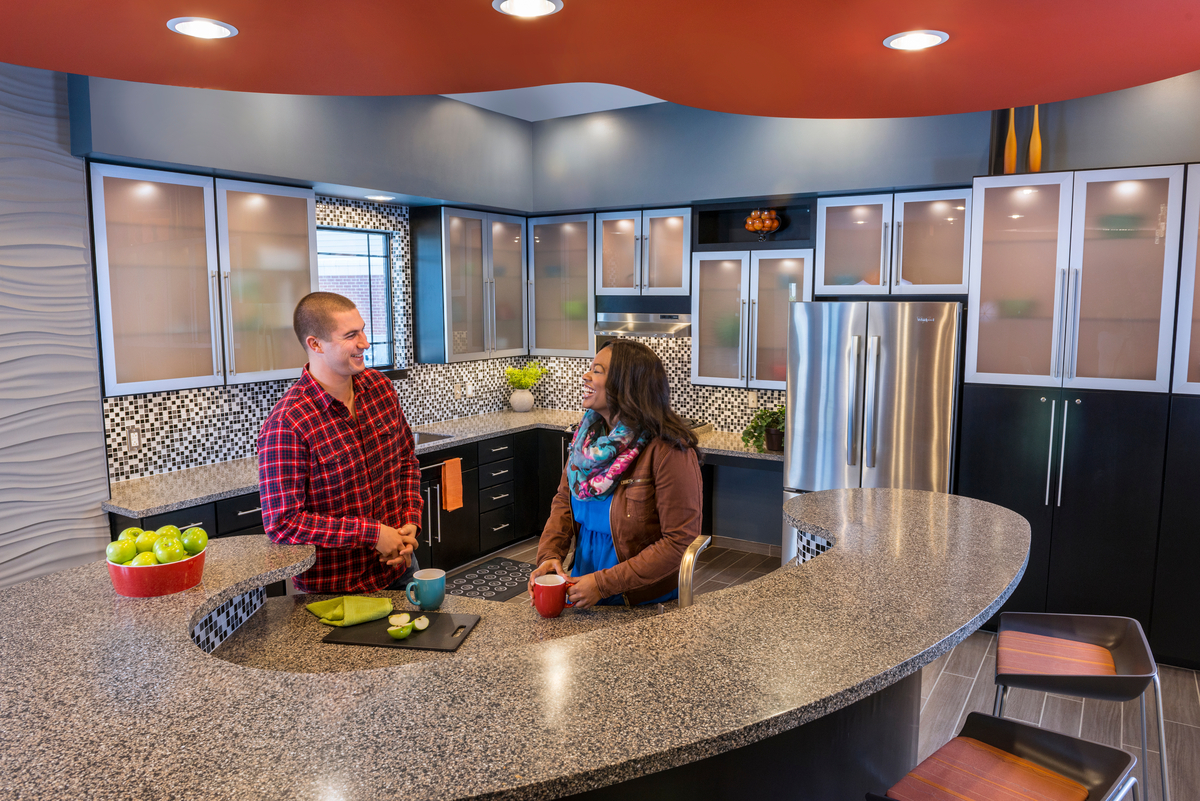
x: 787, y: 58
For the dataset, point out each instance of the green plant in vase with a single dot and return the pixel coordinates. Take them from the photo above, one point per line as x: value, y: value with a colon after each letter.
x: 522, y: 379
x: 765, y: 431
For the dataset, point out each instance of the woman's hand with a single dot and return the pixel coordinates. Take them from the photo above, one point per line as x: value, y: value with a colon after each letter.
x: 549, y: 566
x: 584, y: 593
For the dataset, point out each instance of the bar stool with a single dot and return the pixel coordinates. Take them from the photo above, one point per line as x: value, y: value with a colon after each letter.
x: 993, y: 759
x: 1092, y: 656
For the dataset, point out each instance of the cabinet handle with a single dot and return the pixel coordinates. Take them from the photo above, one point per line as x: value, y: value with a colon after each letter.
x: 249, y: 511
x: 1075, y: 323
x: 437, y: 507
x: 186, y: 526
x: 869, y: 406
x: 898, y: 259
x: 429, y: 512
x: 500, y: 527
x: 1050, y: 452
x: 501, y: 448
x: 1060, y: 280
x: 742, y: 362
x: 498, y: 497
x: 887, y: 254
x: 502, y: 472
x: 751, y: 336
x: 229, y: 311
x: 214, y: 318
x: 1062, y: 453
x: 852, y: 399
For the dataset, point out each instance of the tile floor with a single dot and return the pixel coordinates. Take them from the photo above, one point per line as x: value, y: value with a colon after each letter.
x: 961, y: 682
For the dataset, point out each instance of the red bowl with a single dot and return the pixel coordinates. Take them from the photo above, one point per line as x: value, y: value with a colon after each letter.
x: 147, y: 581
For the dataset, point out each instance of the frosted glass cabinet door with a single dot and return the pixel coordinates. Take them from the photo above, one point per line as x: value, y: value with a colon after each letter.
x: 719, y: 314
x: 1121, y: 296
x: 156, y: 269
x: 562, y: 307
x: 508, y: 285
x: 1020, y: 243
x: 619, y: 253
x: 777, y: 277
x: 268, y: 238
x: 666, y: 242
x: 853, y: 245
x: 467, y: 290
x: 931, y: 242
x: 1187, y: 337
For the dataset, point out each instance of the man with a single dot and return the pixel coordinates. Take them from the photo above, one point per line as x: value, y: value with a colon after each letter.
x: 337, y: 466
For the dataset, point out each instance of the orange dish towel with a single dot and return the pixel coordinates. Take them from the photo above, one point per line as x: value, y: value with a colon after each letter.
x: 968, y: 769
x: 452, y: 484
x: 1036, y: 654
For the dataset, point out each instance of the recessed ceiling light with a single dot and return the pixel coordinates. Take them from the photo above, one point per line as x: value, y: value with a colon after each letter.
x: 527, y: 8
x: 202, y: 28
x: 915, y: 40
x: 380, y: 198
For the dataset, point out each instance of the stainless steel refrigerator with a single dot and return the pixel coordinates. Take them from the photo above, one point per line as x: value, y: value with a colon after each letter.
x: 870, y: 397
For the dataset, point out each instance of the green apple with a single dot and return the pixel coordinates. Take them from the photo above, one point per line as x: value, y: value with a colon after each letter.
x: 144, y: 558
x: 145, y: 541
x: 121, y: 551
x: 195, y: 540
x: 400, y: 632
x: 168, y: 531
x: 130, y: 533
x: 169, y: 549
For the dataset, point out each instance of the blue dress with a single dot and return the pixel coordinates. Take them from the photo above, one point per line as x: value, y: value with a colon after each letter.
x: 595, y: 550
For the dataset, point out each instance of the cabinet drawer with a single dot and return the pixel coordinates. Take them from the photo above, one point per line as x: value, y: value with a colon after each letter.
x: 495, y: 497
x: 496, y: 473
x: 495, y: 449
x: 468, y: 453
x: 235, y: 514
x: 245, y: 532
x: 496, y: 528
x: 204, y: 516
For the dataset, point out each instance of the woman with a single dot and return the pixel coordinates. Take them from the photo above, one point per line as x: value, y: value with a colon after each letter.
x: 631, y: 490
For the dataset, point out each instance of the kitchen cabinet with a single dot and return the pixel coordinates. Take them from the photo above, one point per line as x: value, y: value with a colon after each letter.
x: 561, y: 292
x: 1073, y: 279
x: 449, y: 538
x: 469, y: 282
x: 914, y: 243
x: 180, y: 311
x: 722, y: 226
x: 554, y: 447
x: 1085, y: 468
x: 1186, y: 380
x: 740, y: 313
x: 643, y: 252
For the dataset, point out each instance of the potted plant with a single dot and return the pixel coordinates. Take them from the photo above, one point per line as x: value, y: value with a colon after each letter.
x: 766, y: 428
x: 521, y: 379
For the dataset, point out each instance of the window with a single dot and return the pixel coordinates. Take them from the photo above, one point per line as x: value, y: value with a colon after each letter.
x: 356, y: 264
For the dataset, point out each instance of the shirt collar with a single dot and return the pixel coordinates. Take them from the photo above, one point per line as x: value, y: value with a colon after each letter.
x: 317, y: 394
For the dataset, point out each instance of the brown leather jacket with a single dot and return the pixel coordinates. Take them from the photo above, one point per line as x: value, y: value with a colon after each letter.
x: 655, y: 515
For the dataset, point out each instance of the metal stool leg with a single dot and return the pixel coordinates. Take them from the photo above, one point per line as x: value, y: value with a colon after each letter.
x: 1162, y: 735
x: 1001, y: 697
x: 1145, y: 738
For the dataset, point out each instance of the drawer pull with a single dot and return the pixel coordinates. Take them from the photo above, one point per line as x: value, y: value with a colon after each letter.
x: 190, y: 525
x: 497, y: 528
x: 502, y: 472
x: 249, y: 511
x: 498, y: 497
x: 501, y: 448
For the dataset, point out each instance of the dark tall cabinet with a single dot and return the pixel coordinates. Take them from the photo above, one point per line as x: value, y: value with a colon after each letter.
x: 1085, y: 468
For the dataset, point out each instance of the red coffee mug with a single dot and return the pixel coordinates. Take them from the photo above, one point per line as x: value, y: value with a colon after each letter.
x: 550, y: 594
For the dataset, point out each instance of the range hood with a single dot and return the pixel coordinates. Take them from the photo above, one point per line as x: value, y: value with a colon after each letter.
x: 643, y: 325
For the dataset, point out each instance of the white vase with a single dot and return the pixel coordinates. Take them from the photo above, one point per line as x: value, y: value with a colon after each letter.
x: 521, y: 400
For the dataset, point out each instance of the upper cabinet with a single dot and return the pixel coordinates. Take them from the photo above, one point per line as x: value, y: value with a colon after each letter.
x: 562, y: 306
x: 177, y: 311
x: 469, y: 285
x: 1073, y: 278
x: 1187, y: 328
x: 643, y: 252
x: 740, y: 312
x: 914, y: 243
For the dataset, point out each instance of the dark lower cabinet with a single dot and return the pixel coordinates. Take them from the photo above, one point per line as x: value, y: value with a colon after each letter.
x: 1085, y: 469
x: 553, y: 447
x: 1174, y: 628
x: 448, y: 539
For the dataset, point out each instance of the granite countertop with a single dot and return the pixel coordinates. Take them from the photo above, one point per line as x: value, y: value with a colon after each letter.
x: 169, y: 492
x: 107, y: 697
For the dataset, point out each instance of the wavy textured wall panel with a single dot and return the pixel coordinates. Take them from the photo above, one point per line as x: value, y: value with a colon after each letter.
x: 52, y: 465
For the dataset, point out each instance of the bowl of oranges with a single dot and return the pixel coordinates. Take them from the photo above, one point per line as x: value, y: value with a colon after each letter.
x: 763, y: 222
x: 143, y: 564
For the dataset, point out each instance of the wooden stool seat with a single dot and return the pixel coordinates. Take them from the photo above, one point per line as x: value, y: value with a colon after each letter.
x: 1019, y: 652
x: 966, y: 769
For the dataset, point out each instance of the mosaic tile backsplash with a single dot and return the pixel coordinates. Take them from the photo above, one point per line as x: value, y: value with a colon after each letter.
x: 189, y: 428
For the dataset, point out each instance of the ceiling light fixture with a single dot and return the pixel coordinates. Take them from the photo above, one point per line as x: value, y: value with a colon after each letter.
x: 202, y: 28
x: 528, y: 8
x: 380, y: 198
x: 915, y: 40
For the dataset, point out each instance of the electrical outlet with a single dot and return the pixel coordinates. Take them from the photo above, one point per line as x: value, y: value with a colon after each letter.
x: 458, y: 391
x: 133, y: 439
x: 470, y: 390
x: 752, y: 399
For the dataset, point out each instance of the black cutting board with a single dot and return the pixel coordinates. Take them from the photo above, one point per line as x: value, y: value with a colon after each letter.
x: 445, y: 633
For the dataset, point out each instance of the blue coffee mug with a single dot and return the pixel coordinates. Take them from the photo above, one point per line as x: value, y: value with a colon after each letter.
x: 430, y: 586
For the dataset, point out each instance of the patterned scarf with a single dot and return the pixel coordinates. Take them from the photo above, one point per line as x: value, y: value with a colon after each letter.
x: 598, y: 461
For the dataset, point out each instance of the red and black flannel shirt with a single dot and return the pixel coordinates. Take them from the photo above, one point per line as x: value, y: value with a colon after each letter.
x: 329, y: 481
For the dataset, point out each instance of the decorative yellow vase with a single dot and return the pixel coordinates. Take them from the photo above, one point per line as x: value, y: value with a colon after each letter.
x: 1010, y: 144
x: 1035, y: 144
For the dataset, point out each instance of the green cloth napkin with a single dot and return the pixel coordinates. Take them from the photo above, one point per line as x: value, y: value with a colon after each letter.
x: 350, y: 610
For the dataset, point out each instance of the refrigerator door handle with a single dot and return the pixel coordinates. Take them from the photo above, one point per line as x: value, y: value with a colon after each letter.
x: 1062, y: 453
x: 1050, y: 453
x: 869, y: 406
x: 851, y: 405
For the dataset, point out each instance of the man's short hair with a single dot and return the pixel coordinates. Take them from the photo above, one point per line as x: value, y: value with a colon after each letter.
x: 314, y: 315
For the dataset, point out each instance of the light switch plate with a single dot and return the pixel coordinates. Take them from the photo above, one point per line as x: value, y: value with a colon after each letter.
x: 470, y: 390
x: 752, y: 399
x: 458, y: 391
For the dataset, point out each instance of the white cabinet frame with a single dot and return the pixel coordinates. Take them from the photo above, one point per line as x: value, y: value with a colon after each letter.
x: 898, y: 287
x: 641, y: 225
x: 531, y: 285
x: 1187, y: 287
x: 742, y: 256
x: 823, y: 205
x: 490, y: 277
x: 752, y: 382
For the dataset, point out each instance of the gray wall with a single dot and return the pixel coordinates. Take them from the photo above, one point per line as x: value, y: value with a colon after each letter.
x: 52, y: 466
x: 418, y: 146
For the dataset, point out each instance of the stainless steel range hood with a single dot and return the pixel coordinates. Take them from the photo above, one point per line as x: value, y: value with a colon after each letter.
x: 643, y: 325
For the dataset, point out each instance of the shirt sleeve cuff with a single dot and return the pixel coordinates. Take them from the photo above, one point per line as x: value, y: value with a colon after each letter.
x: 411, y: 516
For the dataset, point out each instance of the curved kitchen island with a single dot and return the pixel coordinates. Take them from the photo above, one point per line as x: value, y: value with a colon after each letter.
x: 109, y: 697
